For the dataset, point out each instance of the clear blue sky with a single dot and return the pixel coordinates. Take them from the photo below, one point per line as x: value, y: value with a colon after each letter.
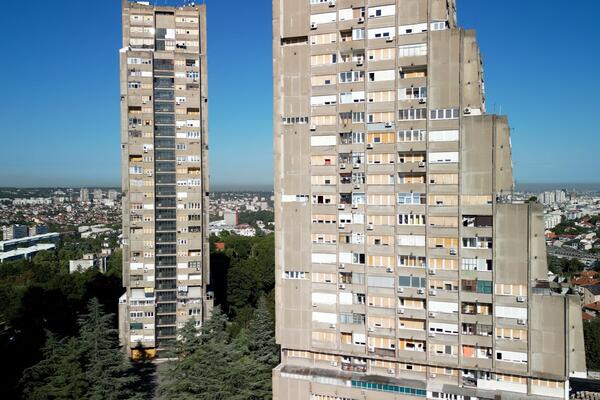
x: 60, y: 92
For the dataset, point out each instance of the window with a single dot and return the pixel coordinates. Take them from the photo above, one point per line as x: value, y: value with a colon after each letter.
x: 352, y: 76
x: 415, y: 28
x: 412, y: 281
x: 476, y: 264
x: 477, y: 242
x: 412, y: 50
x: 411, y: 219
x: 386, y: 75
x: 412, y: 136
x: 382, y: 96
x: 411, y: 261
x: 411, y: 198
x: 444, y: 113
x: 323, y: 59
x: 323, y: 80
x: 412, y: 114
x: 443, y: 136
x: 294, y: 275
x: 412, y: 93
x: 325, y: 38
x: 381, y: 54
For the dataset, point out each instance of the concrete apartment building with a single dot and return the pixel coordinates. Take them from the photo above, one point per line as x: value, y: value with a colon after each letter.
x: 165, y: 173
x: 403, y: 267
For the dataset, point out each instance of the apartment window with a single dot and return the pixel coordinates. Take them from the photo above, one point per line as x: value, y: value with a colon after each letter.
x: 477, y: 221
x: 444, y: 113
x: 438, y: 25
x: 358, y: 34
x: 412, y: 50
x: 381, y: 118
x: 325, y: 38
x: 411, y: 219
x: 476, y: 264
x: 378, y: 76
x: 411, y: 198
x: 477, y: 242
x: 412, y: 114
x: 443, y: 179
x: 412, y: 281
x: 414, y: 28
x: 352, y: 76
x: 412, y: 135
x: 323, y: 59
x: 414, y: 72
x: 411, y: 261
x: 381, y: 96
x: 323, y: 80
x: 413, y: 93
x: 381, y: 54
x: 294, y: 275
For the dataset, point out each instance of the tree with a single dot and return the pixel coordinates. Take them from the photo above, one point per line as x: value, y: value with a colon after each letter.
x: 59, y: 375
x: 591, y: 332
x: 88, y: 366
x: 107, y: 372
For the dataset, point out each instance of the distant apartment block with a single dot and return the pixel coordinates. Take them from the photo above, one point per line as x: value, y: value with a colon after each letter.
x: 403, y: 267
x: 88, y: 261
x: 14, y: 231
x: 165, y: 173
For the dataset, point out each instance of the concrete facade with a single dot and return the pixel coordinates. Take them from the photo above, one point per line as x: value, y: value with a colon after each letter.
x: 164, y: 144
x: 403, y: 267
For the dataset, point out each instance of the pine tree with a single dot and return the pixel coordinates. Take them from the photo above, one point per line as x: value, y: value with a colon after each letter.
x: 108, y: 374
x: 59, y: 375
x: 262, y: 335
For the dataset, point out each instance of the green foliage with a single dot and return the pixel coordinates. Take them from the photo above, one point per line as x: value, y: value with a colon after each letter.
x: 41, y: 296
x: 564, y: 266
x: 233, y: 357
x: 591, y: 332
x: 217, y: 365
x: 88, y: 366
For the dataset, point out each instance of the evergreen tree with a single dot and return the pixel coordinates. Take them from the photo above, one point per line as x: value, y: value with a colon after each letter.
x: 108, y: 374
x: 89, y: 366
x: 59, y: 376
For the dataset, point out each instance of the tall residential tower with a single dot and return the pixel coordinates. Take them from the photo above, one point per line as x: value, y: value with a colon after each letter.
x: 165, y: 173
x: 403, y: 267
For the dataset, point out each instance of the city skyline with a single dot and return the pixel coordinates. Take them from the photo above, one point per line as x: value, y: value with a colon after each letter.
x: 34, y: 154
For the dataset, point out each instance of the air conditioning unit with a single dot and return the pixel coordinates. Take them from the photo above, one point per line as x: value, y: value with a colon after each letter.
x: 331, y: 3
x: 389, y: 39
x: 369, y: 145
x: 391, y: 371
x: 341, y: 206
x: 432, y: 375
x: 433, y: 292
x: 342, y: 266
x: 467, y: 111
x: 313, y: 25
x: 521, y: 299
x: 342, y: 226
x: 421, y: 291
x: 422, y: 101
x: 356, y: 165
x: 371, y: 329
x: 432, y: 272
x: 388, y: 124
x: 401, y: 311
x: 361, y: 20
x: 359, y: 63
x: 389, y: 269
x: 452, y: 252
x: 431, y: 334
x: 371, y: 349
x: 431, y: 314
x: 342, y: 287
x: 342, y: 166
x: 421, y: 164
x: 521, y: 322
x: 370, y: 227
x: 400, y: 290
x: 332, y: 326
x: 354, y: 206
x: 356, y: 186
x: 313, y: 127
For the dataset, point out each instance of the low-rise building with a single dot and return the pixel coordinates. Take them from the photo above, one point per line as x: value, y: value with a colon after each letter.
x: 591, y: 294
x: 88, y: 261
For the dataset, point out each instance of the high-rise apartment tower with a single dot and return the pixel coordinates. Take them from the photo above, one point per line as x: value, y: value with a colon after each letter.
x: 403, y: 267
x: 165, y: 172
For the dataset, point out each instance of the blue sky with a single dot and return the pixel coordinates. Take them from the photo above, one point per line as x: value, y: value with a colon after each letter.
x: 60, y: 93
